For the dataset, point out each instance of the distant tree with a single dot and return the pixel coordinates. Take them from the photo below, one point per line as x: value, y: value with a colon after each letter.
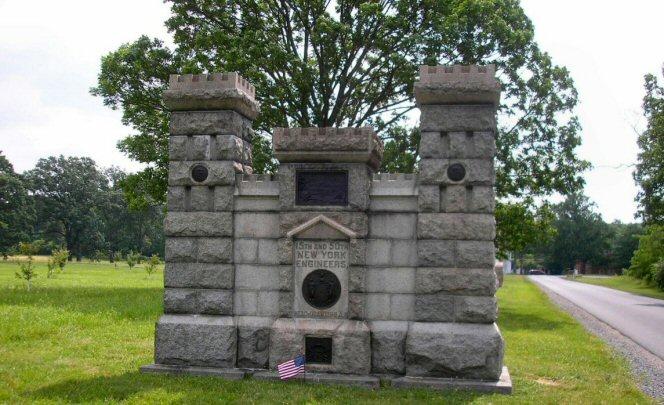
x: 16, y: 208
x: 623, y: 242
x: 69, y: 196
x: 130, y: 228
x: 344, y: 63
x: 649, y: 173
x: 580, y: 235
x: 644, y: 263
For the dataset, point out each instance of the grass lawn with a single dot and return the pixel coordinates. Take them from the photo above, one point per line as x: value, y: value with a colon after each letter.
x: 623, y: 283
x: 82, y: 336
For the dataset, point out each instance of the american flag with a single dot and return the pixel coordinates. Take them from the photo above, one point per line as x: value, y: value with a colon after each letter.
x: 291, y: 368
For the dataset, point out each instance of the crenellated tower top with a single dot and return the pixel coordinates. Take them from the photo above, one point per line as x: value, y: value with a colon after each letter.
x: 457, y: 84
x: 215, y: 91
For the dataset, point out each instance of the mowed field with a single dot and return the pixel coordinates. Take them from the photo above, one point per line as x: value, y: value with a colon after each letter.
x: 82, y: 336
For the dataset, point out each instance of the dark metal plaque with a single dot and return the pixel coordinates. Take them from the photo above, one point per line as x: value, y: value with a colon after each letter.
x: 318, y: 350
x: 321, y: 188
x: 199, y: 173
x: 456, y: 172
x: 321, y: 289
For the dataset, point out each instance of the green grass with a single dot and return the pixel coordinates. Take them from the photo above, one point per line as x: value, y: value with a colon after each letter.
x: 624, y: 283
x: 82, y: 336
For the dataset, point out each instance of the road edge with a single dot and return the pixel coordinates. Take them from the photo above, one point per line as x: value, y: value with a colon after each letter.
x: 646, y: 367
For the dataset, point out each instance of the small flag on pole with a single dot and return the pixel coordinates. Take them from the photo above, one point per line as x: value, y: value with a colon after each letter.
x: 291, y: 368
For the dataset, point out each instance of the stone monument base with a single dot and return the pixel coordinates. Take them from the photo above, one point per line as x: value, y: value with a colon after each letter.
x: 502, y: 386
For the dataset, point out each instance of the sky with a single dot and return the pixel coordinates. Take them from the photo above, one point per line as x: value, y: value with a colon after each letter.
x: 50, y: 55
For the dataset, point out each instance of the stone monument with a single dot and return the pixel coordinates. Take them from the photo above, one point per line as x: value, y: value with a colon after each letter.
x: 369, y: 275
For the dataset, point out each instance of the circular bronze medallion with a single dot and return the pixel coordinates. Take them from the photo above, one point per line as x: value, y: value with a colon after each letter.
x: 199, y: 173
x: 321, y: 289
x: 456, y: 172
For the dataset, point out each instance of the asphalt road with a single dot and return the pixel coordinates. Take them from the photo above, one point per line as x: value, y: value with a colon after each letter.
x: 639, y: 318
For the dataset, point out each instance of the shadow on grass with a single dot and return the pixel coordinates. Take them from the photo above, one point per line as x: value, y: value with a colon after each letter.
x: 163, y: 388
x: 512, y: 320
x: 123, y: 303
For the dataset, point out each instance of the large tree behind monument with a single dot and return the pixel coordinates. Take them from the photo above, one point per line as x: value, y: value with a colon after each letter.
x: 317, y: 63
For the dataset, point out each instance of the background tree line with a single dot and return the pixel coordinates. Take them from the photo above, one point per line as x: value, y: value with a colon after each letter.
x: 578, y: 236
x: 71, y: 203
x: 578, y: 233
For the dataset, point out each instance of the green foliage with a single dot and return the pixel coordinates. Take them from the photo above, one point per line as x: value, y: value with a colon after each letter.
x: 344, y: 63
x: 16, y: 208
x: 69, y: 196
x: 60, y: 258
x: 26, y: 272
x: 658, y: 274
x: 649, y: 173
x: 151, y: 264
x: 27, y: 269
x: 401, y: 150
x: 580, y: 235
x: 623, y: 242
x: 646, y: 262
x: 50, y: 268
x: 522, y: 226
x: 132, y: 259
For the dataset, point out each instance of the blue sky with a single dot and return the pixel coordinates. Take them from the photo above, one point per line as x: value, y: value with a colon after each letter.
x: 50, y: 52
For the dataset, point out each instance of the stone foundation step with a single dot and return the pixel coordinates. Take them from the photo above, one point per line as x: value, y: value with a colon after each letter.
x: 364, y: 381
x: 502, y: 386
x: 226, y: 373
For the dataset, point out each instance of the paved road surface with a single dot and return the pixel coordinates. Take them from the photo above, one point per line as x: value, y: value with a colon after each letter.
x: 639, y: 318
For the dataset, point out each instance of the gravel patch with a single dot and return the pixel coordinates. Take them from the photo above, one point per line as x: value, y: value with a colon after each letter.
x: 646, y: 367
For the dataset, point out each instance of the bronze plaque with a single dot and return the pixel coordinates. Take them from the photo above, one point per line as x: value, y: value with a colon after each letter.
x: 321, y: 289
x: 322, y: 187
x: 318, y: 349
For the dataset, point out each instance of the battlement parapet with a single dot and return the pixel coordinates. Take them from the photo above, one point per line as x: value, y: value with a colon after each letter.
x: 257, y: 185
x: 345, y: 145
x: 230, y: 80
x: 457, y: 84
x: 215, y: 91
x: 393, y: 184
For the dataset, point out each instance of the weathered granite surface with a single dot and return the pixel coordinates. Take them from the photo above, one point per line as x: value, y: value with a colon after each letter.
x: 408, y: 286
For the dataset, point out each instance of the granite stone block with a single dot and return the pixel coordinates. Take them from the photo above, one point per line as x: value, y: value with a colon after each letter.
x: 475, y: 309
x: 198, y: 224
x: 455, y: 281
x: 434, y: 307
x: 253, y: 341
x: 461, y: 350
x: 198, y: 275
x: 459, y: 226
x: 449, y: 118
x: 194, y: 340
x: 388, y: 347
x: 198, y: 301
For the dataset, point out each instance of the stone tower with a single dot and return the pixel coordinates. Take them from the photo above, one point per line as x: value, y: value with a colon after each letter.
x: 368, y: 275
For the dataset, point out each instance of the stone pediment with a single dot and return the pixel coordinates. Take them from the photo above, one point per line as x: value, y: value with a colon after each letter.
x: 321, y: 227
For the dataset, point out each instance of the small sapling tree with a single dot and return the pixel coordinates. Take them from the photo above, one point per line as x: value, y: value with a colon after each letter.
x: 133, y: 258
x: 50, y: 266
x: 27, y: 269
x: 151, y: 264
x: 60, y: 258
